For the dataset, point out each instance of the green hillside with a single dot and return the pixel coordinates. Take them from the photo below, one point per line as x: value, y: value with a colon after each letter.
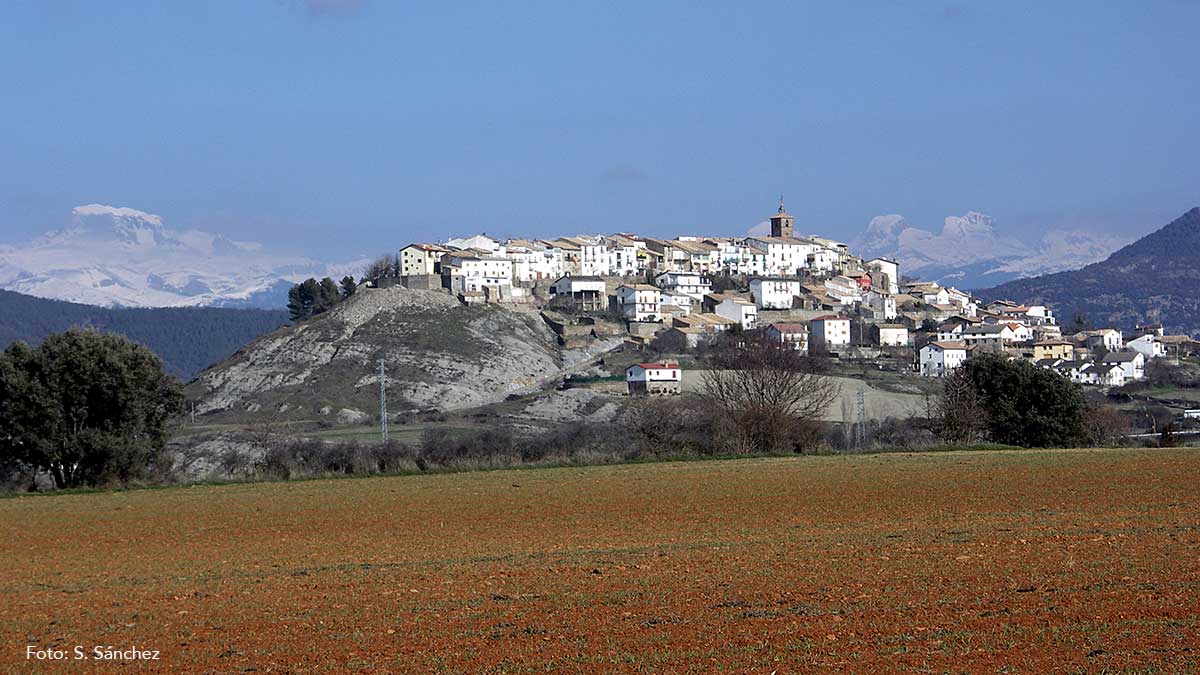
x: 187, y: 339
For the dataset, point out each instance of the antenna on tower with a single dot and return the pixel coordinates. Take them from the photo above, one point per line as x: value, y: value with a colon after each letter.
x: 383, y: 418
x: 781, y: 203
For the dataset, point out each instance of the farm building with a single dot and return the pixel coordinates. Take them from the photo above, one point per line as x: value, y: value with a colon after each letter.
x: 653, y: 379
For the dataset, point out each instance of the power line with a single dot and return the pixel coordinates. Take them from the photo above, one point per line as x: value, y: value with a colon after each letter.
x: 383, y: 402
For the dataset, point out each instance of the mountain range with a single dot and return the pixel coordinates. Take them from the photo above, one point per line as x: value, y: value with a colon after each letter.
x: 1154, y: 279
x: 121, y: 257
x: 969, y: 251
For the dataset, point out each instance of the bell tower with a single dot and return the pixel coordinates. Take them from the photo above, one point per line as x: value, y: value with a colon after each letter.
x: 781, y: 222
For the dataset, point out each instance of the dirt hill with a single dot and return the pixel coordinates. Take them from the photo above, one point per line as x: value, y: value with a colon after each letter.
x: 438, y: 354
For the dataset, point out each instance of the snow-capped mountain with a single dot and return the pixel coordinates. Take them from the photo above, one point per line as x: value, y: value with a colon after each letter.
x: 969, y: 252
x: 116, y: 256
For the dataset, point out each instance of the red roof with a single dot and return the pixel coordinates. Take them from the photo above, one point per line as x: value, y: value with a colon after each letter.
x: 658, y: 366
x: 829, y: 317
x: 790, y: 327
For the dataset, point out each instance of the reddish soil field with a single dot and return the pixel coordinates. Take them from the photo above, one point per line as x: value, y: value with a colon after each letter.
x: 991, y: 562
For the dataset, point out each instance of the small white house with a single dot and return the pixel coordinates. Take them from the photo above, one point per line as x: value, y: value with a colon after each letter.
x: 651, y: 379
x: 1131, y: 362
x: 472, y: 274
x: 639, y: 302
x: 939, y: 358
x: 792, y: 335
x: 890, y: 335
x: 830, y: 330
x: 421, y: 259
x: 774, y: 292
x: 885, y: 275
x: 1149, y: 345
x: 742, y: 311
x: 1105, y: 338
x: 584, y: 292
x: 688, y: 283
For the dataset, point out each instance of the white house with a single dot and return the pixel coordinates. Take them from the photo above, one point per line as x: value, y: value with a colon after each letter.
x: 735, y: 257
x: 584, y: 292
x: 472, y: 274
x: 830, y: 330
x: 890, y: 335
x: 1131, y: 362
x: 774, y: 292
x: 649, y: 379
x: 1149, y: 345
x: 939, y: 358
x: 885, y: 274
x: 421, y: 259
x: 882, y: 305
x: 688, y: 283
x: 533, y: 261
x: 783, y: 255
x: 682, y: 302
x: 1105, y: 338
x: 639, y: 302
x: 793, y: 335
x: 742, y: 311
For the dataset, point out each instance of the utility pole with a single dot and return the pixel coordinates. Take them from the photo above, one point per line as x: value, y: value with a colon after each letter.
x: 860, y: 435
x: 383, y: 425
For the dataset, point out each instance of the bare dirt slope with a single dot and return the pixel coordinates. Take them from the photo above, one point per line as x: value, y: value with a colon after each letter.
x: 439, y: 355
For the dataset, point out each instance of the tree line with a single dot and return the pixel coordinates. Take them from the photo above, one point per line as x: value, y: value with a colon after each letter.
x: 311, y: 297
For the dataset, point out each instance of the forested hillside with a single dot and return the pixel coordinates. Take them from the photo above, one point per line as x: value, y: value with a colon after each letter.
x: 187, y: 339
x: 1156, y: 278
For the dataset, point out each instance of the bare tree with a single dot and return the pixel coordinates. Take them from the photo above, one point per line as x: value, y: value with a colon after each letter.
x: 957, y: 415
x: 774, y: 396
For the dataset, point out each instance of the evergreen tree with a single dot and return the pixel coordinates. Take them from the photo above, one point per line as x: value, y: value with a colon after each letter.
x: 85, y: 406
x: 327, y: 296
x: 349, y: 287
x: 1026, y: 405
x: 295, y: 305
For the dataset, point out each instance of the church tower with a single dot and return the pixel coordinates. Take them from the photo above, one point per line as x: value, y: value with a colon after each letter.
x: 781, y: 222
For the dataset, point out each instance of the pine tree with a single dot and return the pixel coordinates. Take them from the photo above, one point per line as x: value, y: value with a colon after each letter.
x: 327, y: 296
x: 295, y: 304
x: 349, y: 287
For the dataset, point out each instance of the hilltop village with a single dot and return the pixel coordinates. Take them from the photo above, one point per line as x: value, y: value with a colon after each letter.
x: 811, y: 293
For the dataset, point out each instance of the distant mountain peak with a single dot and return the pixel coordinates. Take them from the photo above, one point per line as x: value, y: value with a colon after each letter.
x: 120, y: 256
x: 970, y: 251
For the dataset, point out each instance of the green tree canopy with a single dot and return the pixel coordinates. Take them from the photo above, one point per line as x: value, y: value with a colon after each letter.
x: 85, y: 406
x: 1027, y: 406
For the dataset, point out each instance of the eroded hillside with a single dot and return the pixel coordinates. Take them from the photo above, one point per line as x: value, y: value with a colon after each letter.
x: 439, y: 355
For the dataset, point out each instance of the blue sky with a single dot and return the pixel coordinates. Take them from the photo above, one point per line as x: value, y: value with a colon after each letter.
x: 338, y: 127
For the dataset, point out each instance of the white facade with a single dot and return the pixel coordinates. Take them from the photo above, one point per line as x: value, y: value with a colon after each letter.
x: 420, y: 259
x: 882, y: 304
x: 640, y: 302
x: 531, y: 263
x: 774, y: 293
x: 473, y: 274
x: 892, y: 336
x: 687, y: 283
x: 939, y: 358
x: 831, y: 331
x: 890, y: 269
x: 1106, y: 338
x: 1148, y: 345
x: 745, y: 313
x: 784, y: 255
x: 735, y: 257
x: 793, y: 335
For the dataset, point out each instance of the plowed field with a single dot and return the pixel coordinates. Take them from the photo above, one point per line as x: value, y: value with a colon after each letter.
x: 991, y: 562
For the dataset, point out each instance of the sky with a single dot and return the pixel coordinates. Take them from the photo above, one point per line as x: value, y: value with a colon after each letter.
x: 345, y: 127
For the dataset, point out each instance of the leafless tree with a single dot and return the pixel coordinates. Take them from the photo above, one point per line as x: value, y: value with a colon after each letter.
x: 774, y: 396
x: 957, y: 415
